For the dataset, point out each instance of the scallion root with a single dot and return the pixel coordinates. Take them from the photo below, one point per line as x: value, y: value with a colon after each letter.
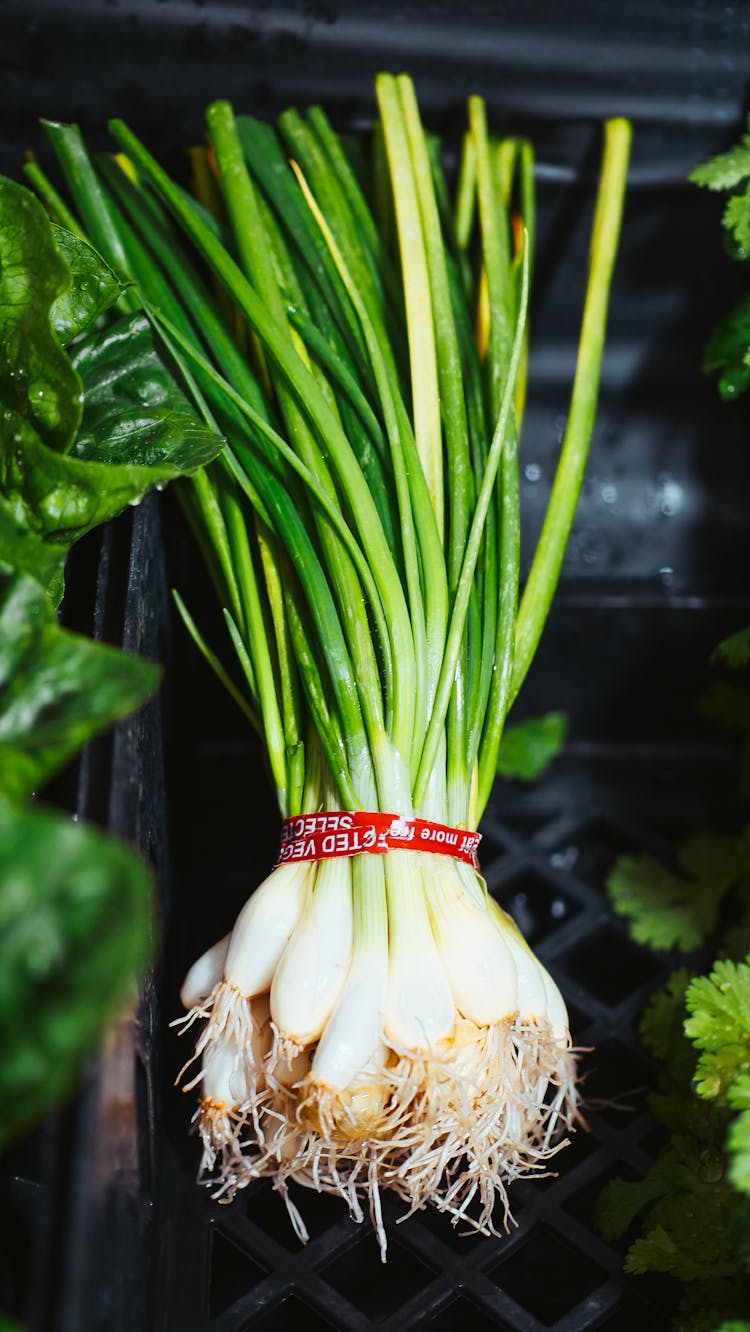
x: 449, y: 1125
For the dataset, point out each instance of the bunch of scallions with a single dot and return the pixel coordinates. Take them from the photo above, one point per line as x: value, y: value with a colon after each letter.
x: 359, y: 338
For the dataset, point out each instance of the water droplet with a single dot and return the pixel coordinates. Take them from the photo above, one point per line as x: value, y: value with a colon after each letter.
x: 135, y: 502
x: 532, y: 472
x: 671, y: 496
x: 565, y: 858
x: 666, y: 573
x: 609, y: 494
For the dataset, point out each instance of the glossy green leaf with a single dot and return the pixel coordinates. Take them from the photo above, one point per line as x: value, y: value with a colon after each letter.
x: 727, y: 349
x: 138, y: 432
x: 56, y: 688
x: 74, y: 933
x: 93, y: 286
x: 37, y: 380
x: 134, y: 413
x: 30, y: 554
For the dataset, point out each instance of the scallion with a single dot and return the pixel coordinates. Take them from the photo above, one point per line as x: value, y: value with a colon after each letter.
x: 373, y: 1021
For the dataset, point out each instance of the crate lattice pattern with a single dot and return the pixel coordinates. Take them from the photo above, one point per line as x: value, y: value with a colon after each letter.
x: 546, y: 863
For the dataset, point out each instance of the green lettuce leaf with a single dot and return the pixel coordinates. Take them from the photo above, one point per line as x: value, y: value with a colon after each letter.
x: 81, y: 436
x: 30, y: 554
x: 37, y: 380
x: 75, y: 930
x: 134, y: 413
x: 138, y: 432
x: 93, y: 286
x: 56, y: 688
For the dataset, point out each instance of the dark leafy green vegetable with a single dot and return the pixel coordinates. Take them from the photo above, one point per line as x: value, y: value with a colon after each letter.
x: 81, y: 436
x: 30, y: 554
x: 37, y: 380
x: 74, y: 932
x: 528, y: 747
x: 134, y: 414
x: 56, y: 688
x: 93, y: 287
x: 74, y: 905
x: 138, y: 431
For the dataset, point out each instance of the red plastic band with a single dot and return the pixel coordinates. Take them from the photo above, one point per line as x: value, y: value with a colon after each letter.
x: 340, y: 833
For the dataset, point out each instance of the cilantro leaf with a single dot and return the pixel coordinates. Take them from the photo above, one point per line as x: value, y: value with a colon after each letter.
x: 710, y: 1320
x: 736, y: 219
x: 738, y: 1141
x: 528, y: 747
x: 733, y: 651
x: 729, y: 704
x: 726, y: 351
x: 664, y: 1015
x: 622, y: 1199
x: 727, y: 170
x: 687, y: 1227
x: 667, y: 910
x: 719, y: 1025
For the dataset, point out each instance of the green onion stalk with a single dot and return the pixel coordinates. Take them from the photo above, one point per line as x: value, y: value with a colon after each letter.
x: 359, y: 336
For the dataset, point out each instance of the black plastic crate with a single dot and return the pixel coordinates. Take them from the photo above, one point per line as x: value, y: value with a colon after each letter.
x: 108, y: 1229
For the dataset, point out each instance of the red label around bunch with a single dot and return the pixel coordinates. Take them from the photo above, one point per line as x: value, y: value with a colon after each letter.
x: 341, y: 833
